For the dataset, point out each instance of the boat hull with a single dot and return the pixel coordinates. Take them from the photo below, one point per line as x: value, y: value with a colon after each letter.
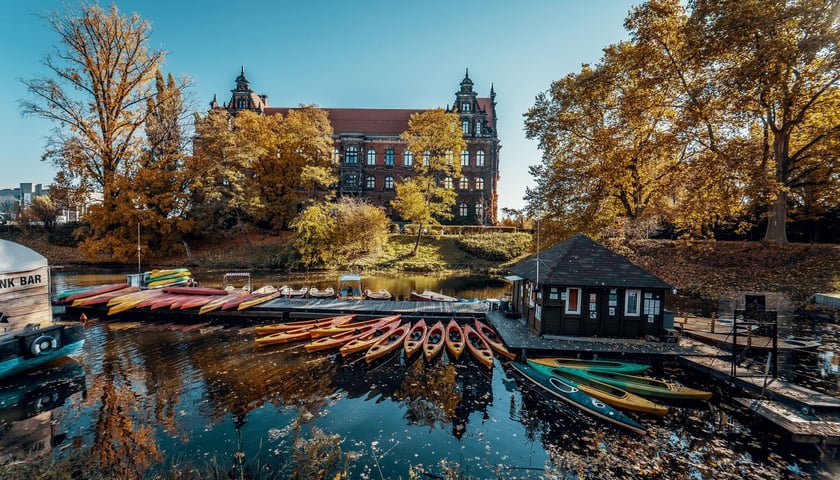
x: 570, y: 394
x: 415, y: 338
x: 478, y: 347
x: 454, y: 339
x: 650, y: 387
x: 23, y: 350
x: 608, y: 365
x: 434, y: 341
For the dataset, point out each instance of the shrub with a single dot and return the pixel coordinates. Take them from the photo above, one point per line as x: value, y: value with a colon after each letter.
x: 496, y: 246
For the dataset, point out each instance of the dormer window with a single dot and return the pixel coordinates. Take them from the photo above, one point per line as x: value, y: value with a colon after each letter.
x: 465, y: 107
x: 240, y: 103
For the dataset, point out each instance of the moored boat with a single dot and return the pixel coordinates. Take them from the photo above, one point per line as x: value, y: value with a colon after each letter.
x: 262, y: 298
x: 478, y: 347
x: 315, y: 292
x: 283, y: 337
x: 565, y: 391
x: 365, y: 341
x: 331, y: 330
x: 607, y: 393
x: 415, y: 338
x: 434, y: 341
x: 340, y: 339
x: 649, y: 387
x: 289, y: 292
x: 392, y: 341
x: 380, y: 294
x: 609, y: 365
x: 350, y: 287
x: 222, y: 300
x: 493, y: 339
x: 308, y: 324
x: 89, y: 292
x: 430, y: 296
x: 454, y: 338
x: 29, y: 337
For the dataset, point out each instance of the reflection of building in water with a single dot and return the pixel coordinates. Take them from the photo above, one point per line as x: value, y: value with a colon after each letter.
x: 26, y: 404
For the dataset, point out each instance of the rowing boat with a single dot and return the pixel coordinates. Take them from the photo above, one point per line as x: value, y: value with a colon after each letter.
x: 252, y: 302
x: 367, y: 340
x: 569, y: 393
x: 283, y: 337
x: 493, y: 340
x: 414, y: 340
x: 430, y: 296
x: 380, y: 294
x: 454, y: 338
x: 340, y: 339
x: 331, y: 330
x: 607, y: 393
x: 478, y: 346
x: 388, y: 344
x: 308, y: 324
x: 607, y: 365
x: 433, y: 343
x: 219, y: 302
x: 650, y: 387
x: 328, y: 292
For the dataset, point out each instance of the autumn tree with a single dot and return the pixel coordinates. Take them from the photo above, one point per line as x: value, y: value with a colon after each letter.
x: 162, y: 180
x: 314, y: 235
x: 778, y: 62
x: 428, y: 195
x: 101, y: 75
x: 610, y: 149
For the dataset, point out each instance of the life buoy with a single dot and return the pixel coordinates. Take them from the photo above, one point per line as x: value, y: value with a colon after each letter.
x: 43, y: 345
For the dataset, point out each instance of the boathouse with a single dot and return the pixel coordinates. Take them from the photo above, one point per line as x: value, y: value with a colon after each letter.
x: 579, y: 287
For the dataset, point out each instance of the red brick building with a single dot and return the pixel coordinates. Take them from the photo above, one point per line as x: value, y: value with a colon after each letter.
x: 372, y: 158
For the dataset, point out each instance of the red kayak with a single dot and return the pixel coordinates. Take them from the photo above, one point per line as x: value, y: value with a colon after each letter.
x: 195, y: 291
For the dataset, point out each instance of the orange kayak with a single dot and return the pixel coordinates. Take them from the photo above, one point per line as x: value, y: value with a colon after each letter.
x: 414, y: 340
x: 454, y: 338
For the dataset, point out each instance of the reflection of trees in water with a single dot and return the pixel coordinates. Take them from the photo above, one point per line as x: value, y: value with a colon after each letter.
x: 428, y: 392
x: 124, y: 444
x: 474, y: 382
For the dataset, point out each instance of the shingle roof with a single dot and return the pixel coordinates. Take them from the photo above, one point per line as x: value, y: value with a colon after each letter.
x: 580, y: 261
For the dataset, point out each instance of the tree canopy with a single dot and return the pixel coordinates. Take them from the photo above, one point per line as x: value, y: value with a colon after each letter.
x: 709, y: 112
x: 428, y: 195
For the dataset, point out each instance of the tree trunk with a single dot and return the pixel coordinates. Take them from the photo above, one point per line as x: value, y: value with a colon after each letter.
x: 777, y: 220
x: 417, y: 242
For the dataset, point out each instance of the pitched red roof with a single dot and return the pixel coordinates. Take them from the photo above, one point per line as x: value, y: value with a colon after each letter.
x: 372, y: 121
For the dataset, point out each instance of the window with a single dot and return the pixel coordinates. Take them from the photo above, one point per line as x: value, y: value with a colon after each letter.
x: 450, y: 158
x: 351, y: 181
x: 389, y: 183
x: 463, y: 210
x: 447, y: 183
x: 479, y: 158
x: 240, y: 103
x: 479, y: 183
x: 371, y: 156
x: 479, y: 212
x: 465, y: 158
x: 478, y: 127
x: 389, y: 157
x: 465, y: 107
x: 463, y: 183
x: 573, y: 301
x: 351, y: 155
x: 427, y: 156
x: 465, y: 127
x: 370, y: 183
x: 336, y: 156
x: 632, y: 302
x: 408, y: 158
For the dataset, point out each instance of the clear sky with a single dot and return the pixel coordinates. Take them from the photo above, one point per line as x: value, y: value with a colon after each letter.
x: 335, y: 53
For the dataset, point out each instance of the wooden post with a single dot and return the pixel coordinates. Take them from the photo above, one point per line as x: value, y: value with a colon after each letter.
x: 714, y: 318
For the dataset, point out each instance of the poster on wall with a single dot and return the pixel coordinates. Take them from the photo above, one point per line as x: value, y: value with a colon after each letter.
x: 593, y: 314
x: 593, y: 298
x: 613, y: 298
x: 612, y: 311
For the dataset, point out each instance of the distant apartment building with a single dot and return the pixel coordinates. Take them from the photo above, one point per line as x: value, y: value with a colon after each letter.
x: 372, y: 158
x: 15, y: 200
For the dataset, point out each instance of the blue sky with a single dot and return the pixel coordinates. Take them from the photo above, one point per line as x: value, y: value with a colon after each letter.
x: 364, y: 53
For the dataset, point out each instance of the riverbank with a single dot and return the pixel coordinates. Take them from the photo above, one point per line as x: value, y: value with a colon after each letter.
x: 703, y: 270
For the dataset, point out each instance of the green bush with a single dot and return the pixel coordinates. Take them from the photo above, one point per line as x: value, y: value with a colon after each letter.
x: 496, y: 246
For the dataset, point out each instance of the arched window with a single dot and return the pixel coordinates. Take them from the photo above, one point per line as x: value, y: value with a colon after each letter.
x: 449, y: 157
x: 465, y: 127
x: 371, y: 156
x: 479, y: 158
x: 240, y: 103
x: 463, y: 210
x: 427, y: 156
x: 370, y: 182
x: 465, y: 158
x: 351, y: 155
x: 479, y: 212
x: 478, y: 127
x: 447, y: 183
x: 463, y: 183
x: 336, y: 155
x: 408, y: 158
x: 389, y: 183
x: 479, y: 183
x: 389, y: 157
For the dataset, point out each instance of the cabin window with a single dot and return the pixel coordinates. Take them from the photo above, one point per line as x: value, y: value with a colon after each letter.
x: 632, y: 302
x: 573, y: 301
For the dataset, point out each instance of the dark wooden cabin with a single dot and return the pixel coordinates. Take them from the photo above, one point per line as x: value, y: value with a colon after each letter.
x: 579, y: 287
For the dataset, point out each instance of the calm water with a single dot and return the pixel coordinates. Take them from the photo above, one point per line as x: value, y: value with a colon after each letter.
x: 141, y: 398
